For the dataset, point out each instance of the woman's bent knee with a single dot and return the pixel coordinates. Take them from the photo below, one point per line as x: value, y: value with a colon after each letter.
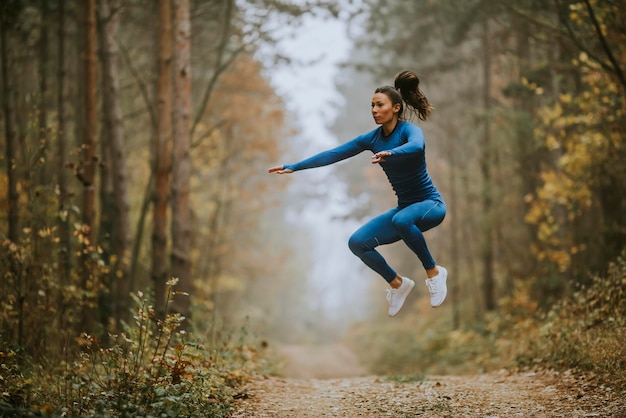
x: 359, y: 244
x: 355, y: 245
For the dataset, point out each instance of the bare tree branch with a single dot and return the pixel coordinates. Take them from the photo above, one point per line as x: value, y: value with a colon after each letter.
x: 143, y: 87
x: 220, y: 66
x: 605, y: 45
x: 563, y: 19
x: 208, y: 133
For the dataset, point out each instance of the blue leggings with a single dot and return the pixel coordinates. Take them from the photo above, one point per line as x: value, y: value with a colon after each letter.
x: 407, y: 224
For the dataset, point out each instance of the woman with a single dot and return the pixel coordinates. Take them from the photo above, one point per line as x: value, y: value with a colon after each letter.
x: 398, y: 146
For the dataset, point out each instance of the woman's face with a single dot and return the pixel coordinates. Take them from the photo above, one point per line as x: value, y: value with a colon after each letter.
x: 382, y: 109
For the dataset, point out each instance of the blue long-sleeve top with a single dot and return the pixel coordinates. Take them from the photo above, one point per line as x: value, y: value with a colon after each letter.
x: 405, y: 167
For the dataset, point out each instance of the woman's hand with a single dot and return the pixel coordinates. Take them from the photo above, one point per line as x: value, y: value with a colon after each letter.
x: 379, y: 157
x: 279, y: 170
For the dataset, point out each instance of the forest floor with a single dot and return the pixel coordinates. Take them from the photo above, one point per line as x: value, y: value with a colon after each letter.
x: 328, y: 381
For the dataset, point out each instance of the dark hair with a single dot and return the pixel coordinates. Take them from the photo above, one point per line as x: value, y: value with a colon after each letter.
x: 407, y: 89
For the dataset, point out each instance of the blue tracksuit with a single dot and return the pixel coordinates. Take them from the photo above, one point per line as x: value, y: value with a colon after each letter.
x: 420, y: 205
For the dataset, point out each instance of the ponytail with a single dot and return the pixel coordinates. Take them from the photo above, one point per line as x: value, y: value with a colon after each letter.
x: 407, y: 83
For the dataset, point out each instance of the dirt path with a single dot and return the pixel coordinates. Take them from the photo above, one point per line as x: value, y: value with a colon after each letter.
x: 313, y: 388
x: 320, y: 362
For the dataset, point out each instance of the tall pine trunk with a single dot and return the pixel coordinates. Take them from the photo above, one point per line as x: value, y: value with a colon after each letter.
x: 87, y: 172
x: 115, y: 143
x: 9, y: 131
x: 528, y: 153
x: 162, y: 158
x: 181, y: 162
x: 487, y: 192
x: 65, y: 265
x: 11, y: 165
x: 63, y: 221
x: 455, y: 233
x: 43, y: 93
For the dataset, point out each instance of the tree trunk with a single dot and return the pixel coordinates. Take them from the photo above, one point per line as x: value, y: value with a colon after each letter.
x: 528, y: 154
x: 63, y: 222
x: 87, y: 172
x: 65, y: 265
x: 105, y: 234
x: 485, y: 164
x: 121, y: 238
x: 455, y: 233
x: 162, y: 158
x: 181, y: 163
x: 11, y: 162
x: 139, y: 231
x: 11, y: 145
x: 43, y: 93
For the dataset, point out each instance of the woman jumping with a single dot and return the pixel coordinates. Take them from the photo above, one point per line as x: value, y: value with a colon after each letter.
x: 399, y: 147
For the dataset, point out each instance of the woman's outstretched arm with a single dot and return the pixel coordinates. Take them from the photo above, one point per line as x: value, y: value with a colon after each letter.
x: 347, y: 150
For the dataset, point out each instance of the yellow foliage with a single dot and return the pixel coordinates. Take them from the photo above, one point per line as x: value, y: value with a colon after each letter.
x: 584, y: 132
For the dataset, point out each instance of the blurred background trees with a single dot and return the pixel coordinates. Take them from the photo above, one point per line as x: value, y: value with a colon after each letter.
x: 136, y: 137
x: 519, y: 93
x: 526, y: 143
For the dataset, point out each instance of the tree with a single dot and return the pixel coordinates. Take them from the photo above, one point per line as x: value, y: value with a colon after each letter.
x: 9, y: 9
x: 62, y: 150
x: 596, y: 29
x: 558, y: 86
x: 227, y: 189
x: 97, y: 127
x: 486, y: 162
x: 86, y: 172
x: 161, y: 156
x: 181, y: 163
x: 43, y: 90
x: 109, y: 17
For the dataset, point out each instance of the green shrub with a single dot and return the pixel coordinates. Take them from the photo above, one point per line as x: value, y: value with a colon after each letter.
x: 153, y: 369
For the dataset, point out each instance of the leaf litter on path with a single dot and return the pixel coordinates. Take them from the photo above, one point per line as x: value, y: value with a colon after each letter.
x: 314, y: 388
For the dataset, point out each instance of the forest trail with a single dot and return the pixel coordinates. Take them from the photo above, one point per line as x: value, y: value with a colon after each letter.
x: 328, y: 381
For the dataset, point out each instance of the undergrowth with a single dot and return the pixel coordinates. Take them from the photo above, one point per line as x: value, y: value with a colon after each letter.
x: 587, y: 331
x: 153, y: 369
x: 582, y: 333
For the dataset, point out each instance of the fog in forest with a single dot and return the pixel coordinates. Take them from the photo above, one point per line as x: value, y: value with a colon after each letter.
x: 137, y: 137
x: 328, y: 102
x: 335, y: 285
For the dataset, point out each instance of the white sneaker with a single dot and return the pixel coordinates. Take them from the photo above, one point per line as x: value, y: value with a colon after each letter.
x: 396, y: 297
x: 437, y: 287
